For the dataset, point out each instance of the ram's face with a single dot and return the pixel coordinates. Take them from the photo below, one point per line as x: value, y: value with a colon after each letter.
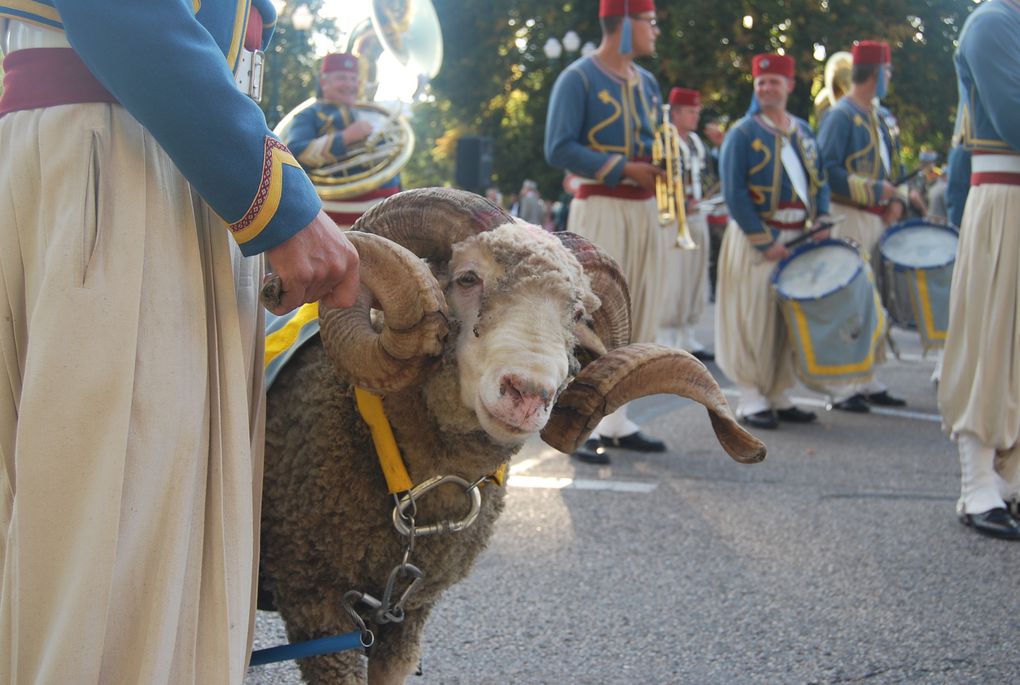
x: 518, y: 296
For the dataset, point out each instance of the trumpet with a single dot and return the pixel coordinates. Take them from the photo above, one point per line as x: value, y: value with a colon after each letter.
x: 670, y: 194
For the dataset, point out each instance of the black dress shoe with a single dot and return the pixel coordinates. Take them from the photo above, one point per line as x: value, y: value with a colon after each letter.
x: 883, y: 399
x: 637, y: 441
x: 591, y: 452
x: 703, y: 356
x: 854, y: 403
x: 795, y: 415
x: 996, y: 523
x: 764, y: 419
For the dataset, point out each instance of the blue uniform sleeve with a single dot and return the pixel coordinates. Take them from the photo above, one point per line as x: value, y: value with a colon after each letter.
x: 167, y: 70
x: 733, y: 168
x: 304, y: 130
x: 994, y: 63
x: 958, y: 184
x: 564, y: 121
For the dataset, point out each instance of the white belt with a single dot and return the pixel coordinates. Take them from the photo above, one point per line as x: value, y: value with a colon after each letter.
x: 1009, y: 164
x: 20, y: 36
x: 790, y: 215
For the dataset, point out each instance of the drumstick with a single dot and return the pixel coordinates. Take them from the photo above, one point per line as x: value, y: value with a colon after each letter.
x: 801, y: 239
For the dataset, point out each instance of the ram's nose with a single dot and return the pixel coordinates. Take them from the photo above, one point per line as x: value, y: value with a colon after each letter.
x: 522, y: 402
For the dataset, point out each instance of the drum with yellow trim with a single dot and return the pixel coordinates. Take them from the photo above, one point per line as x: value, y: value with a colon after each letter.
x: 917, y: 259
x: 833, y: 313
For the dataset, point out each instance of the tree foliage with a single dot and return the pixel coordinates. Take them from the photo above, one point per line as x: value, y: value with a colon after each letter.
x: 496, y: 81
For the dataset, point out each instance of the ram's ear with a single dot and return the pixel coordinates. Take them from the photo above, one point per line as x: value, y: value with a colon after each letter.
x: 589, y: 345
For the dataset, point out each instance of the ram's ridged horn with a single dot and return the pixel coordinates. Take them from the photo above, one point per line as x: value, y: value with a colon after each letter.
x: 611, y: 321
x: 634, y: 371
x: 414, y: 325
x: 422, y: 223
x: 428, y: 221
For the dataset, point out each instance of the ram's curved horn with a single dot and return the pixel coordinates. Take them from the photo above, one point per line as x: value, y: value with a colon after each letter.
x: 611, y: 321
x: 414, y: 323
x: 634, y: 371
x: 428, y: 221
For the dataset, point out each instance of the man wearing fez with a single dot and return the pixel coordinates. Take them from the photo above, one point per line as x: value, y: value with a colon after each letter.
x: 326, y: 131
x: 139, y: 188
x: 859, y: 140
x: 600, y: 126
x: 979, y: 395
x: 687, y: 273
x: 770, y: 204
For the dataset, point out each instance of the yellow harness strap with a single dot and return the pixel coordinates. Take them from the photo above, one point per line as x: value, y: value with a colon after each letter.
x: 397, y: 479
x: 371, y: 409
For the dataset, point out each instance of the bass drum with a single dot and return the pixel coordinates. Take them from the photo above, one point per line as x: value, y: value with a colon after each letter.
x: 367, y: 166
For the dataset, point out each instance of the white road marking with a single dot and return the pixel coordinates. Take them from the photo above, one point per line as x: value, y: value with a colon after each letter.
x: 566, y: 483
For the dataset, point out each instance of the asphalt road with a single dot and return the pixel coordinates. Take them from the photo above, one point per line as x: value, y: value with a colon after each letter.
x: 837, y: 560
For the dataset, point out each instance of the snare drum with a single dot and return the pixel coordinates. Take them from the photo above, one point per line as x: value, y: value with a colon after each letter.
x: 833, y: 311
x: 917, y: 260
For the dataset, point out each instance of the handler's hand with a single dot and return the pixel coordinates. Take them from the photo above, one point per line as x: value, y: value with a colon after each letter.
x: 820, y: 220
x: 356, y: 131
x: 642, y: 173
x: 776, y: 252
x: 893, y: 213
x: 317, y: 263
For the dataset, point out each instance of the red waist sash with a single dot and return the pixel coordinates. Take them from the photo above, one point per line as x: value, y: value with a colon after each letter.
x: 622, y: 192
x: 998, y: 177
x: 47, y: 77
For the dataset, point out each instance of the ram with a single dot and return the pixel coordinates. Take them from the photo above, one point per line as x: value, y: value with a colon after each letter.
x: 474, y: 332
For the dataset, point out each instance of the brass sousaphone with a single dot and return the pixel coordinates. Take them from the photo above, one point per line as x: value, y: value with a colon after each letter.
x: 838, y: 70
x: 409, y: 30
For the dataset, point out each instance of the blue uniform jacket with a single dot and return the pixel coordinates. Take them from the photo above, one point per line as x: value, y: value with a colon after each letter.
x: 849, y: 140
x: 958, y: 184
x: 988, y: 76
x: 596, y: 121
x: 315, y: 136
x: 755, y: 183
x: 170, y: 64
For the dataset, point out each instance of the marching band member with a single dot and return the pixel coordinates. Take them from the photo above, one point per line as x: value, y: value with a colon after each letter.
x: 600, y: 125
x: 325, y: 131
x: 687, y: 274
x: 859, y: 142
x: 774, y: 188
x: 139, y: 184
x: 979, y: 395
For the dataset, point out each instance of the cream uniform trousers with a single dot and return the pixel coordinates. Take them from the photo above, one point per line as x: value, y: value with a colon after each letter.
x: 629, y: 231
x: 132, y: 418
x: 864, y: 228
x: 752, y: 344
x: 687, y: 277
x: 980, y: 388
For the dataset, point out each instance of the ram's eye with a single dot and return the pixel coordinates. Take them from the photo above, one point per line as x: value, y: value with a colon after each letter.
x: 578, y: 314
x: 468, y: 279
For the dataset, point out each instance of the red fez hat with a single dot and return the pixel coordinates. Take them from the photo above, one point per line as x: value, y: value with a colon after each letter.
x: 871, y: 52
x: 340, y: 61
x: 623, y: 8
x: 684, y: 97
x: 769, y: 63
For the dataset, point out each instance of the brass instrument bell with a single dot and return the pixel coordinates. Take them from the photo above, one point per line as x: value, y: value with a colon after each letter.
x: 670, y: 193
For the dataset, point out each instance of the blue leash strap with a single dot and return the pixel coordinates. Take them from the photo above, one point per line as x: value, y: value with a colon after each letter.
x: 301, y: 650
